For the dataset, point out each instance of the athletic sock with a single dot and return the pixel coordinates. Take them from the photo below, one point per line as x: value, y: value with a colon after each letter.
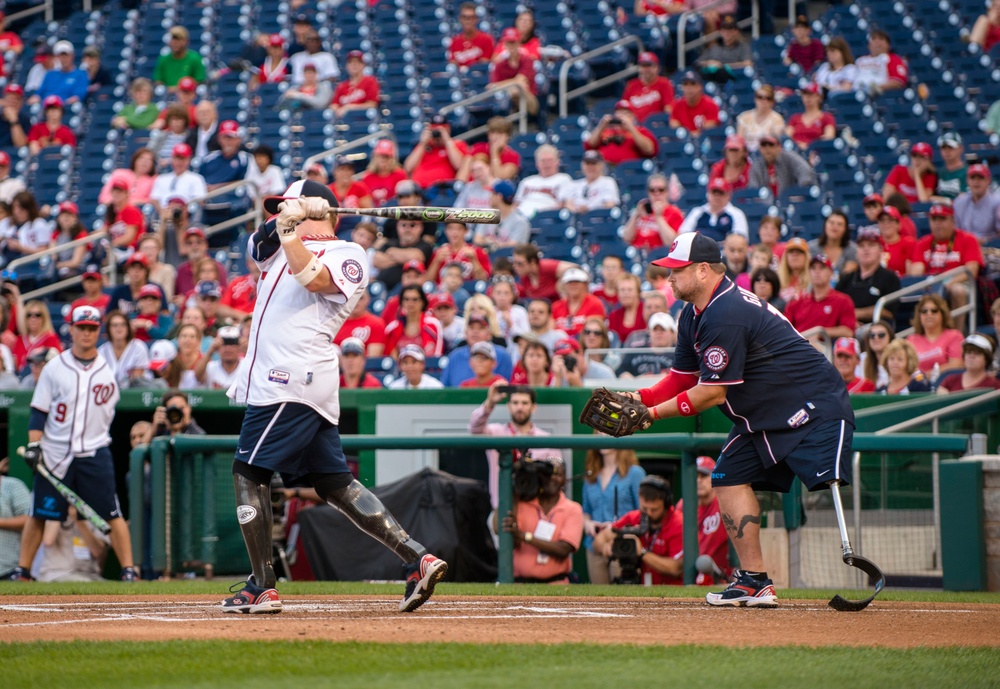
x: 759, y: 576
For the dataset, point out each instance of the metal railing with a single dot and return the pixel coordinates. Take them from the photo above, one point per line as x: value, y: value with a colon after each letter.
x: 688, y: 445
x: 683, y: 45
x: 17, y: 263
x: 342, y: 148
x: 521, y: 116
x: 565, y: 96
x: 255, y: 213
x: 46, y: 7
x: 922, y: 286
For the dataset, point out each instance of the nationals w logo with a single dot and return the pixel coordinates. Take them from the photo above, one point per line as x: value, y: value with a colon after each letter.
x: 103, y: 393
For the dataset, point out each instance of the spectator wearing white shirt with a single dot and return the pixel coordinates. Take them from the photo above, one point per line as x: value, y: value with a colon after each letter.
x: 596, y: 190
x: 314, y: 54
x: 220, y: 374
x: 546, y: 190
x: 268, y: 179
x: 412, y: 363
x: 174, y: 190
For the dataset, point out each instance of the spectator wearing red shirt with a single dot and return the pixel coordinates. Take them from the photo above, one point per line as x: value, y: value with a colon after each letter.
x: 9, y: 40
x: 620, y: 139
x: 916, y: 182
x: 93, y: 292
x: 274, y: 69
x: 504, y: 161
x: 712, y: 538
x: 123, y: 221
x: 195, y: 247
x: 471, y: 46
x: 474, y: 260
x: 52, y: 131
x: 384, y: 172
x: 813, y: 123
x: 359, y: 91
x: 899, y: 249
x: 804, y: 50
x: 628, y: 317
x: 414, y: 325
x: 650, y: 92
x: 571, y: 312
x: 437, y: 157
x: 822, y: 306
x: 514, y: 65
x: 945, y: 248
x: 735, y: 165
x: 661, y: 549
x: 524, y: 24
x: 240, y: 295
x: 350, y: 193
x: 537, y: 276
x: 694, y: 110
x: 365, y: 326
x: 977, y: 355
x: 846, y: 357
x: 654, y: 221
x: 352, y: 366
x: 882, y: 69
x: 38, y: 333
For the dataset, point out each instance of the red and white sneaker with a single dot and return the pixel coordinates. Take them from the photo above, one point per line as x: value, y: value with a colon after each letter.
x: 420, y: 581
x: 746, y: 591
x: 252, y: 599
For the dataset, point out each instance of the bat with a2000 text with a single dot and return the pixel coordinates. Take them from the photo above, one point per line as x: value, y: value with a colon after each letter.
x: 485, y: 216
x: 32, y: 456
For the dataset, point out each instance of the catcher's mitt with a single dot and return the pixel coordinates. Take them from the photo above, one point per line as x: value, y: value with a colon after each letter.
x: 615, y: 414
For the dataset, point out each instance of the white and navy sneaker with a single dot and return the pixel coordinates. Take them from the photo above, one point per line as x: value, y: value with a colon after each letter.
x: 420, y: 581
x: 746, y: 591
x: 252, y: 599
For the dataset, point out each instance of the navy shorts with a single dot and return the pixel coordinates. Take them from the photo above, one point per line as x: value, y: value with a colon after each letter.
x: 824, y: 454
x: 92, y: 478
x: 291, y: 438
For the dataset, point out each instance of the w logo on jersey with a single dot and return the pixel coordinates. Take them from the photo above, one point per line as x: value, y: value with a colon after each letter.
x: 362, y: 333
x: 103, y: 393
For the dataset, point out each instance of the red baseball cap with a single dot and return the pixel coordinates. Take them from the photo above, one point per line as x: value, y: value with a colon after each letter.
x: 356, y: 55
x: 414, y: 265
x: 137, y: 258
x: 195, y: 232
x: 510, y: 34
x: 182, y: 151
x: 870, y: 233
x: 941, y: 210
x: 187, y: 84
x: 688, y: 248
x: 4, y: 159
x: 120, y: 184
x: 720, y: 184
x: 440, y: 299
x: 16, y: 89
x: 706, y: 465
x: 979, y: 170
x: 150, y: 290
x: 874, y: 198
x: 648, y: 58
x: 69, y: 207
x: 892, y: 212
x: 922, y: 149
x: 52, y: 102
x: 275, y: 39
x: 385, y: 148
x: 229, y: 128
x: 735, y: 142
x: 623, y: 105
x: 566, y: 346
x: 812, y: 88
x: 821, y: 258
x: 769, y: 138
x: 847, y: 345
x: 92, y: 273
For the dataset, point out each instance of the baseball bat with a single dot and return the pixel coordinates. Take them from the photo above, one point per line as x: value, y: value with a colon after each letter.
x: 484, y: 216
x: 82, y: 508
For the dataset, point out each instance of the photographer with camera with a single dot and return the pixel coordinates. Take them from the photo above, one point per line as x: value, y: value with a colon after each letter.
x: 620, y: 139
x: 173, y: 416
x: 546, y: 525
x: 647, y: 543
x: 220, y: 374
x: 654, y: 222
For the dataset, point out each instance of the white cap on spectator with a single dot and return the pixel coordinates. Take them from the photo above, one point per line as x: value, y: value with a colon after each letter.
x: 662, y: 320
x: 575, y: 275
x: 63, y: 48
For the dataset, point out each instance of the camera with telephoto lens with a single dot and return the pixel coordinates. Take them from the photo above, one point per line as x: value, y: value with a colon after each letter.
x: 623, y: 551
x: 570, y: 362
x: 176, y: 215
x: 615, y: 121
x: 175, y: 415
x: 530, y: 477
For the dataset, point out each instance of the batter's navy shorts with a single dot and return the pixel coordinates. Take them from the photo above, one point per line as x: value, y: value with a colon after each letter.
x: 291, y: 438
x: 823, y: 455
x: 92, y: 478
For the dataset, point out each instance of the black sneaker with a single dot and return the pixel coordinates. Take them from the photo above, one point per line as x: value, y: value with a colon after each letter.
x: 252, y: 599
x: 420, y: 581
x: 18, y: 574
x: 746, y: 591
x: 129, y: 574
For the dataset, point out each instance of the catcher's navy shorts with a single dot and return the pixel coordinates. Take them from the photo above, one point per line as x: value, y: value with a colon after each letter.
x: 92, y: 478
x: 290, y: 438
x: 823, y: 454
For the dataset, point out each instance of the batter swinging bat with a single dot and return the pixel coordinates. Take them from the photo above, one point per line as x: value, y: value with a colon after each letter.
x: 484, y: 216
x: 82, y: 509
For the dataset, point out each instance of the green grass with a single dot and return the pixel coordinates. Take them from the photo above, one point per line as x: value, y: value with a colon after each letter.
x: 313, y: 664
x: 332, y: 588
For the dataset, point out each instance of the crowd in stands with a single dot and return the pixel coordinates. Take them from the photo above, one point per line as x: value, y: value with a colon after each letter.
x: 461, y: 305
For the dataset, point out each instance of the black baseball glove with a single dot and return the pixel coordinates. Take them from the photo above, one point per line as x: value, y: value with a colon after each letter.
x: 31, y: 454
x: 615, y: 414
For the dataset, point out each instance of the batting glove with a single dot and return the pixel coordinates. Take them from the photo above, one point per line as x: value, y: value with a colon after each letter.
x: 291, y: 213
x: 32, y: 454
x: 315, y: 207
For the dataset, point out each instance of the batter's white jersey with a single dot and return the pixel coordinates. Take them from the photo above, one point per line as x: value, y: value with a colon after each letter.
x: 291, y: 357
x: 80, y: 403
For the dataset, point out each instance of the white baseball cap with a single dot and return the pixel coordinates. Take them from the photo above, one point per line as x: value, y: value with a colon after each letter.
x: 662, y: 320
x: 161, y: 353
x: 575, y: 275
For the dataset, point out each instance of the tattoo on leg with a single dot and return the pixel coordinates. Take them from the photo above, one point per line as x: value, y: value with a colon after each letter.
x: 737, y: 531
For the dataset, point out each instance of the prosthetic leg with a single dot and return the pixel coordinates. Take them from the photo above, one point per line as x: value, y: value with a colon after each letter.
x: 253, y: 511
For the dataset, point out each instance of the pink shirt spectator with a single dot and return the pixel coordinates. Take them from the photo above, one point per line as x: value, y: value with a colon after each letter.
x: 947, y: 345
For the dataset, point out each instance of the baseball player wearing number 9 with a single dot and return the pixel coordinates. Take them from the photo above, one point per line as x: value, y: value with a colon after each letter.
x: 309, y: 283
x: 789, y: 407
x: 71, y: 413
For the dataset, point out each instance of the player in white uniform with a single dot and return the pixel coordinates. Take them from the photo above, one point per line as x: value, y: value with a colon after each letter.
x: 71, y: 414
x: 289, y: 379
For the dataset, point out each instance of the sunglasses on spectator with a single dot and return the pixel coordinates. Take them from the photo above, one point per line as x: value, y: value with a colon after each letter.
x: 656, y: 189
x: 593, y: 332
x: 760, y: 97
x: 767, y: 144
x: 877, y: 336
x: 930, y: 310
x: 33, y: 314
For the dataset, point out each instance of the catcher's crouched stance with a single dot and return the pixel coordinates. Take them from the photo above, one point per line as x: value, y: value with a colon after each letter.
x: 309, y: 283
x: 789, y: 407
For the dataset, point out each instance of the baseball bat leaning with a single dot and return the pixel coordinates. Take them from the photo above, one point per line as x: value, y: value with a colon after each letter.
x: 82, y: 508
x: 484, y: 216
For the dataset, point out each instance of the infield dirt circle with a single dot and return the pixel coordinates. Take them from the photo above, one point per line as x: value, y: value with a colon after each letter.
x: 505, y: 619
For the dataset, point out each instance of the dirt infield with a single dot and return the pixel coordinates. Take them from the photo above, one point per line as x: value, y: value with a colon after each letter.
x: 500, y: 620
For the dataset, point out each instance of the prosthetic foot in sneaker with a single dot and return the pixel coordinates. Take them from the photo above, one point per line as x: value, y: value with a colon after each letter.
x: 18, y: 574
x: 420, y: 581
x: 746, y: 591
x: 252, y: 599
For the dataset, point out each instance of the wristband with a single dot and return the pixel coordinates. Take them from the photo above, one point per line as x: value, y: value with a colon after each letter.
x: 285, y: 237
x: 653, y: 414
x: 309, y: 273
x: 684, y: 406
